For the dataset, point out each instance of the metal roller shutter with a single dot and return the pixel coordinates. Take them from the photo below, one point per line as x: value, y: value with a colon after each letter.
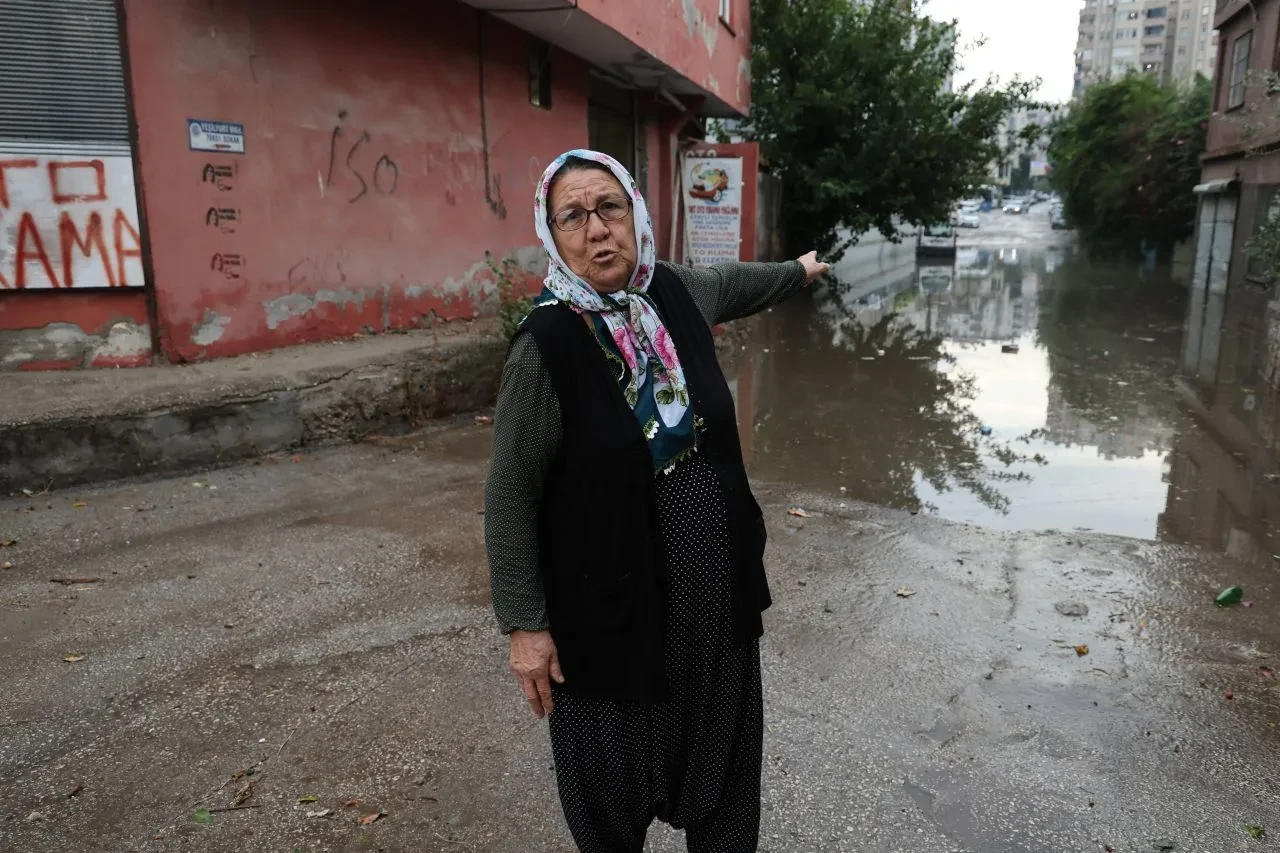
x: 62, y: 83
x: 68, y: 199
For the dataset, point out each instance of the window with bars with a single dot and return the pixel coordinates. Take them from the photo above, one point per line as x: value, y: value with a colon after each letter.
x: 1239, y: 70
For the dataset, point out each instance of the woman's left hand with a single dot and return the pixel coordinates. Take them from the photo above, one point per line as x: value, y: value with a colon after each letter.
x: 812, y: 266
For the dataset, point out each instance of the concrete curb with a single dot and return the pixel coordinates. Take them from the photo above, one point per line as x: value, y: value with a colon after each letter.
x: 67, y: 428
x: 190, y: 419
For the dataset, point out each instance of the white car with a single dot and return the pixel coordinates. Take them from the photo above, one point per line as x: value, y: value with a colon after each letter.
x: 968, y: 219
x: 1015, y: 207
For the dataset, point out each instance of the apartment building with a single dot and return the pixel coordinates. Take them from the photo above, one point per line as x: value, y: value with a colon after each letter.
x: 1171, y: 39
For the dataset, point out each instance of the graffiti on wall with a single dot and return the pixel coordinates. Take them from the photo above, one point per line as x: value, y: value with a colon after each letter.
x: 382, y: 177
x: 68, y: 221
x: 220, y: 178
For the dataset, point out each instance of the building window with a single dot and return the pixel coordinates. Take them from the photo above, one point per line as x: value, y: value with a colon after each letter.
x: 1239, y: 70
x: 540, y: 73
x: 1156, y: 13
x: 1132, y: 16
x: 726, y: 11
x: 1153, y: 31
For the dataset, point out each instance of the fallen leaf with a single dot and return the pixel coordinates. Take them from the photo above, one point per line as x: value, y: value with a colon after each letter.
x: 309, y: 798
x: 8, y: 543
x: 320, y: 813
x: 75, y: 791
x: 1082, y: 650
x: 242, y: 796
x: 351, y: 804
x: 79, y: 505
x: 202, y: 816
x: 74, y: 658
x: 484, y: 420
x: 295, y: 458
x: 904, y: 592
x: 197, y: 485
x: 798, y: 512
x: 370, y: 818
x: 1229, y: 695
x: 1267, y: 672
x: 1256, y: 831
x: 73, y: 581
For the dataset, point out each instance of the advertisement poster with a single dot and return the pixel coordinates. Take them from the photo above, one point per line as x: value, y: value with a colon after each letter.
x: 713, y: 209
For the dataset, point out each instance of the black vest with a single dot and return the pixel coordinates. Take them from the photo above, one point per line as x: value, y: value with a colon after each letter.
x: 600, y: 545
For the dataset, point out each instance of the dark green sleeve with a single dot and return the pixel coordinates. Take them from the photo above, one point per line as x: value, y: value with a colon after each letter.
x: 526, y: 438
x: 735, y: 290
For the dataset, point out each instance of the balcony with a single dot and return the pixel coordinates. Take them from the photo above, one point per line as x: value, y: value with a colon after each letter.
x: 643, y: 55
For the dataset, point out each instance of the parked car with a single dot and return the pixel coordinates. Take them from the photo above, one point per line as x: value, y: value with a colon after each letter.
x: 1057, y: 219
x: 939, y: 239
x: 969, y: 219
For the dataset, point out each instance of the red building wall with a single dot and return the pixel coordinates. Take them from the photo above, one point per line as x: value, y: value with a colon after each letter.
x: 360, y: 201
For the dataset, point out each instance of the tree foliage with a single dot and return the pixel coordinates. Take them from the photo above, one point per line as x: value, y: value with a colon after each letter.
x: 1125, y: 160
x: 849, y: 106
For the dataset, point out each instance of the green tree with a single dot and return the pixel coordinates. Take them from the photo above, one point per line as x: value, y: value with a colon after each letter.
x: 1125, y: 160
x: 849, y: 106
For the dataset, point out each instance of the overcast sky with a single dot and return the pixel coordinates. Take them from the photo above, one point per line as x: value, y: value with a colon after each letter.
x: 1034, y: 38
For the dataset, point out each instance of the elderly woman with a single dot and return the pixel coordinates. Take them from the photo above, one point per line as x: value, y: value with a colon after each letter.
x: 624, y: 542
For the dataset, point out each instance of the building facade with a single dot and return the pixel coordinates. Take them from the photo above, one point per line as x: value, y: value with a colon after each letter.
x: 1002, y: 170
x: 1230, y: 371
x: 1169, y: 39
x: 186, y: 179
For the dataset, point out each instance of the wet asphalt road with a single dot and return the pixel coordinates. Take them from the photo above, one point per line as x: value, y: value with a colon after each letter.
x: 324, y: 624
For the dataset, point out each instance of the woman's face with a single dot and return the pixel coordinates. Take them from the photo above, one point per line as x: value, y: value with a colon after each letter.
x: 601, y: 253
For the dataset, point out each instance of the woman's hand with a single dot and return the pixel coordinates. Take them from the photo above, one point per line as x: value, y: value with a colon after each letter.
x: 534, y: 661
x: 812, y: 266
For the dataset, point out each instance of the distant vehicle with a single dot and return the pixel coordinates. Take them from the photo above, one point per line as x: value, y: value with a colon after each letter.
x: 1057, y: 219
x: 1015, y: 206
x: 970, y: 206
x: 969, y: 219
x: 938, y: 239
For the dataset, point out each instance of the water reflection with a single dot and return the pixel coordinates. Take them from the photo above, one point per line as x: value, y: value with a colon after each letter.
x: 1224, y: 481
x: 1018, y: 387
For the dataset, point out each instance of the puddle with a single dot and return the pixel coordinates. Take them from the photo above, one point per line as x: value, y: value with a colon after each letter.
x: 1021, y: 387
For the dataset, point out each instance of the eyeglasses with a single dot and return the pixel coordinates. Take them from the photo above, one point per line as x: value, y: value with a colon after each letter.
x: 609, y: 210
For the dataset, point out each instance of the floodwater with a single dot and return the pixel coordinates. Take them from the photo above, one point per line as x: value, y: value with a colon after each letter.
x: 1021, y: 387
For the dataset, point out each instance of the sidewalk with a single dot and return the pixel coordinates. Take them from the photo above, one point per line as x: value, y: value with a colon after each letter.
x: 62, y: 428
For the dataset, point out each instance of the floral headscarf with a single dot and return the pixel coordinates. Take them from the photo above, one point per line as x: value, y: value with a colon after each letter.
x: 629, y: 315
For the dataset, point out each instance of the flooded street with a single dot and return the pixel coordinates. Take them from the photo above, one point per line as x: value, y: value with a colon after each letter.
x: 299, y: 653
x: 1021, y: 388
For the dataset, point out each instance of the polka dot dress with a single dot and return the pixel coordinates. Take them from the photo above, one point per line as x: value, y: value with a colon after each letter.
x: 692, y: 761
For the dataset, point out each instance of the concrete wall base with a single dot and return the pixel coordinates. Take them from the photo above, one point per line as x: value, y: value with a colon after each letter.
x: 68, y: 428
